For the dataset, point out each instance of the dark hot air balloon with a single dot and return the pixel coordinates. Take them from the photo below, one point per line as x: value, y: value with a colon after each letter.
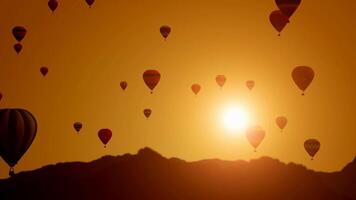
x: 52, y: 4
x: 255, y: 135
x: 90, y: 2
x: 77, y: 126
x: 281, y: 122
x: 44, y: 71
x: 165, y: 31
x: 147, y: 112
x: 0, y: 96
x: 278, y: 20
x: 18, y: 47
x: 302, y: 77
x: 220, y: 80
x: 288, y: 7
x: 151, y: 78
x: 18, y: 129
x: 250, y: 84
x: 196, y: 88
x: 312, y: 147
x: 105, y: 136
x: 123, y: 85
x: 19, y: 32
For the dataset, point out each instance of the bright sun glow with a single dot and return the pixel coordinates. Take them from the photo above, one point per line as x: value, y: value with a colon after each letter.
x: 235, y: 119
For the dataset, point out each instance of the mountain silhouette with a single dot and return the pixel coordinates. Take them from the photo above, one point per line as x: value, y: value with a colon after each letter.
x: 148, y: 175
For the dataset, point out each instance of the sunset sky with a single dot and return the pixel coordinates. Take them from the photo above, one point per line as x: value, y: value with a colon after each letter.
x: 90, y: 50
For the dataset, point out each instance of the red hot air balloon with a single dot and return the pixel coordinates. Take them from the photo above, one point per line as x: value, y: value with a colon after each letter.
x: 278, y: 20
x: 250, y: 84
x: 19, y: 32
x: 220, y: 80
x: 281, y: 122
x: 147, y: 112
x: 18, y: 129
x: 165, y: 31
x: 196, y: 88
x: 312, y: 147
x: 255, y: 136
x: 302, y: 77
x: 151, y: 78
x: 105, y: 136
x: 123, y: 85
x: 52, y: 4
x: 44, y: 71
x: 77, y: 126
x: 288, y: 7
x: 18, y: 47
x: 90, y: 2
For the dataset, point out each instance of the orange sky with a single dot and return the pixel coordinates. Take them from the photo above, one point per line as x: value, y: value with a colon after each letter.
x: 89, y: 51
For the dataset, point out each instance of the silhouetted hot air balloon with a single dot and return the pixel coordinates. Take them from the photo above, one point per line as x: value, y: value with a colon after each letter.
x: 147, y: 112
x: 281, y: 122
x: 52, y: 4
x: 196, y: 88
x: 165, y: 31
x: 44, y: 71
x: 250, y: 84
x: 105, y: 136
x: 255, y: 135
x: 302, y: 77
x: 90, y: 2
x: 18, y: 129
x: 19, y: 32
x: 0, y: 96
x: 312, y: 147
x: 18, y: 47
x: 151, y: 78
x: 220, y: 80
x: 278, y: 20
x: 123, y: 85
x: 77, y: 126
x: 288, y: 7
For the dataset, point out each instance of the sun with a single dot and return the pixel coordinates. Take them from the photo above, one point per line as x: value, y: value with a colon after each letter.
x: 235, y: 119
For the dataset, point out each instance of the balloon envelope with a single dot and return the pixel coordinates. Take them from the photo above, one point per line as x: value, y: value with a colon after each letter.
x: 44, y: 71
x: 255, y: 135
x: 302, y: 77
x: 278, y: 20
x: 312, y: 147
x: 147, y: 112
x: 165, y: 31
x: 250, y: 84
x: 52, y: 4
x: 19, y: 32
x: 90, y: 2
x: 18, y: 47
x: 281, y: 122
x: 77, y: 126
x: 220, y: 80
x: 123, y: 85
x: 196, y: 88
x: 288, y: 7
x: 105, y: 136
x: 151, y: 78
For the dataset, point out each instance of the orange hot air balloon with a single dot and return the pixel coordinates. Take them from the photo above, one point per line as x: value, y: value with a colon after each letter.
x: 105, y: 136
x: 255, y: 135
x: 147, y: 112
x: 151, y: 78
x: 278, y: 20
x: 77, y: 126
x: 312, y: 147
x: 18, y: 47
x: 302, y: 77
x: 196, y: 88
x: 288, y: 7
x: 19, y: 33
x: 250, y: 84
x: 52, y: 4
x: 220, y: 80
x: 165, y: 31
x: 281, y: 122
x: 44, y: 71
x: 123, y: 85
x: 90, y: 2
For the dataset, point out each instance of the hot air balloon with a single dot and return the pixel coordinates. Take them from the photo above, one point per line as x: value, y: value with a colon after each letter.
x: 123, y: 85
x: 220, y: 80
x: 77, y: 126
x: 52, y: 4
x: 151, y: 78
x: 44, y: 71
x: 0, y: 96
x: 18, y: 129
x: 19, y: 32
x: 288, y: 7
x: 281, y: 122
x: 90, y: 2
x: 165, y: 31
x: 18, y: 47
x: 105, y: 136
x: 255, y: 135
x: 278, y: 20
x: 250, y: 84
x: 196, y: 88
x: 147, y: 112
x: 302, y: 77
x: 312, y: 147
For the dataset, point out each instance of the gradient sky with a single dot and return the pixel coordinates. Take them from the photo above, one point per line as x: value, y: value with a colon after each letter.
x: 89, y: 51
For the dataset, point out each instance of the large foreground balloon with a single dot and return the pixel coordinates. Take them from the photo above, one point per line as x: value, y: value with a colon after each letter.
x: 278, y: 20
x: 147, y: 112
x: 105, y: 136
x: 123, y: 85
x: 255, y: 135
x: 220, y: 80
x: 52, y: 4
x: 77, y: 126
x: 18, y: 129
x: 196, y: 88
x: 165, y: 31
x: 19, y: 33
x: 250, y: 84
x: 312, y: 147
x: 288, y: 7
x: 302, y: 77
x: 151, y: 78
x: 281, y: 122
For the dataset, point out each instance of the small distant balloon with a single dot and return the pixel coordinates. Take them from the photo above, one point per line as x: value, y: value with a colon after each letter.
x: 278, y: 20
x: 90, y: 2
x: 220, y: 80
x: 52, y: 4
x: 123, y: 85
x: 302, y: 77
x: 147, y: 112
x: 281, y: 122
x: 18, y: 48
x: 250, y: 84
x: 255, y: 135
x: 77, y: 126
x: 312, y: 147
x: 151, y: 78
x: 288, y: 7
x: 0, y: 96
x: 44, y: 71
x: 165, y: 31
x: 19, y: 32
x: 105, y: 136
x: 196, y: 88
